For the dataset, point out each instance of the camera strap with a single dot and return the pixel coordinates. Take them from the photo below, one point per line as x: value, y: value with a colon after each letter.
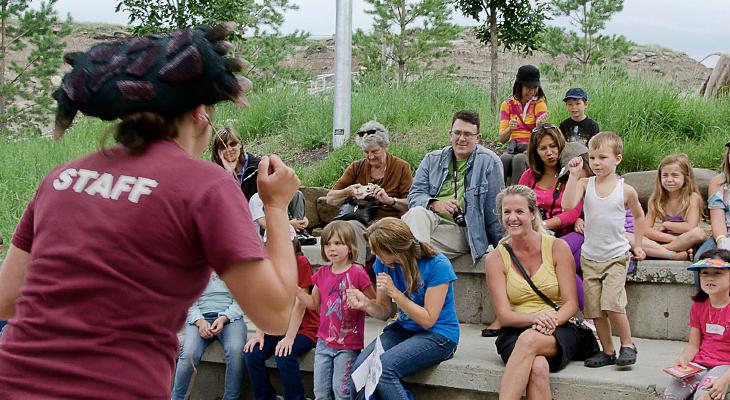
x: 556, y: 194
x: 455, y: 175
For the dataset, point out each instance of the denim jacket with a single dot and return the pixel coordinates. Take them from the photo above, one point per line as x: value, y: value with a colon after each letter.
x: 483, y: 181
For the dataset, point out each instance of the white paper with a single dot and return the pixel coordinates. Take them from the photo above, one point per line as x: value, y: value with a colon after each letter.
x: 368, y: 373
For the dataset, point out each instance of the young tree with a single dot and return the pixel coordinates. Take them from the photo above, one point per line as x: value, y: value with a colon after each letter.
x: 586, y: 47
x: 258, y: 22
x: 513, y: 24
x: 408, y: 34
x: 34, y: 39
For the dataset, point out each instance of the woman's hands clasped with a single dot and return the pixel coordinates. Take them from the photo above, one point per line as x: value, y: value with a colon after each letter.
x: 357, y: 299
x: 545, y: 322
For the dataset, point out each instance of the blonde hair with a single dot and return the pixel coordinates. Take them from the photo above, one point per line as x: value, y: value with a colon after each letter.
x: 660, y: 196
x: 529, y: 195
x: 391, y: 235
x: 609, y: 139
x: 533, y: 158
x: 344, y: 231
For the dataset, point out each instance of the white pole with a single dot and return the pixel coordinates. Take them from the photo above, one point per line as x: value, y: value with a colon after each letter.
x: 343, y: 74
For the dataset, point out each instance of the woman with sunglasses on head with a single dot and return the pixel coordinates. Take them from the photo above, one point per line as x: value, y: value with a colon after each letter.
x: 114, y: 247
x: 380, y: 176
x: 519, y: 115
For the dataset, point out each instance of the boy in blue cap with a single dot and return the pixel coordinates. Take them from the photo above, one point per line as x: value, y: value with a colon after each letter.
x: 578, y: 127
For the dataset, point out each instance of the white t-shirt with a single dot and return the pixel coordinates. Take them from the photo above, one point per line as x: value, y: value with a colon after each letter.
x: 257, y: 211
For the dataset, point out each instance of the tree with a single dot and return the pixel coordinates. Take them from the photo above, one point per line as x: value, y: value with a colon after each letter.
x: 513, y: 24
x: 410, y: 35
x: 33, y: 37
x: 586, y: 47
x: 257, y: 34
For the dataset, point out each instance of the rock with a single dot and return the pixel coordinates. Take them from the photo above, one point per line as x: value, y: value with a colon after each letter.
x: 656, y: 68
x: 650, y: 54
x: 636, y: 58
x: 326, y: 211
x: 311, y: 194
x: 644, y: 182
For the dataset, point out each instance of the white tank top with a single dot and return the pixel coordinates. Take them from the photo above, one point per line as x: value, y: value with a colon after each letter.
x: 605, y: 235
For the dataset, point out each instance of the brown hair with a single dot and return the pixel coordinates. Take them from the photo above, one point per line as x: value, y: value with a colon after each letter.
x: 517, y: 92
x: 138, y: 130
x: 660, y: 196
x: 609, y: 139
x: 221, y: 139
x: 469, y: 116
x: 344, y: 231
x: 533, y: 158
x: 719, y: 254
x: 392, y: 236
x: 726, y: 165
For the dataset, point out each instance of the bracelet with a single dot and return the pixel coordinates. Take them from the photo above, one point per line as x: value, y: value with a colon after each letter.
x: 395, y: 201
x: 719, y: 238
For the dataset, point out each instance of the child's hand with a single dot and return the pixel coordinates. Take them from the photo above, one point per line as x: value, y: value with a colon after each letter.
x: 283, y: 348
x: 218, y: 324
x: 512, y: 124
x: 256, y: 340
x: 681, y: 362
x: 542, y: 119
x: 575, y: 166
x: 639, y: 253
x: 357, y: 299
x: 204, y: 329
x: 580, y: 225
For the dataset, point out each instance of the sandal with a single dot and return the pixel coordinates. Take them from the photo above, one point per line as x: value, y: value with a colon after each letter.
x: 490, y: 332
x: 601, y: 359
x: 626, y: 356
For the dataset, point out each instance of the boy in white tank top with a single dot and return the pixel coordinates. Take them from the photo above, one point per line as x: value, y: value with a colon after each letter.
x: 604, y: 254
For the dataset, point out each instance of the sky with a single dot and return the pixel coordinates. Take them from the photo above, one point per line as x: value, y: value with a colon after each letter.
x: 696, y: 27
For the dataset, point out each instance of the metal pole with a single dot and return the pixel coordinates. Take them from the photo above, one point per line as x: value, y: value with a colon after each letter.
x: 343, y: 74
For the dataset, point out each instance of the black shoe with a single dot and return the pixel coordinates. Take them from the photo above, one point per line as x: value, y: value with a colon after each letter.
x: 489, y: 332
x: 305, y: 239
x: 626, y: 356
x: 601, y: 359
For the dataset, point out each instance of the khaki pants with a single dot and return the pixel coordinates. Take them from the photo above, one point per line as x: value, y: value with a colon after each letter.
x: 445, y: 236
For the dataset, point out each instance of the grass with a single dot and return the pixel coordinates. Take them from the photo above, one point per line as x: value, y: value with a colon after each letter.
x: 653, y: 118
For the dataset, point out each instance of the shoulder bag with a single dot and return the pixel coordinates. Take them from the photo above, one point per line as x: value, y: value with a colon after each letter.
x: 358, y: 210
x: 587, y: 343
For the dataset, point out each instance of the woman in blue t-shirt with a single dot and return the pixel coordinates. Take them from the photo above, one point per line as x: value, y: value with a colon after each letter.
x: 421, y: 284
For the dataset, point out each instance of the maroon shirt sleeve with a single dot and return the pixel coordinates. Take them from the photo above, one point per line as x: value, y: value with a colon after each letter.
x: 305, y: 272
x: 225, y: 226
x: 23, y: 236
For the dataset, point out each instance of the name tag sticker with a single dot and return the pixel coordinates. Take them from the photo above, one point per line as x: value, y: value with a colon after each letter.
x: 715, y: 329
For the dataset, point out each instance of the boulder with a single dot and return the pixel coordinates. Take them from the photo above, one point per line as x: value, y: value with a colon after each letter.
x: 644, y: 181
x: 326, y: 212
x: 311, y: 194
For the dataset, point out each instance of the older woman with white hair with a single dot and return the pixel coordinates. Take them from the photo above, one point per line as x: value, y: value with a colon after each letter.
x: 379, y: 176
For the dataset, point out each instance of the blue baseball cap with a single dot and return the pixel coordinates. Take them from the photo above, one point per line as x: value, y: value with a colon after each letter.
x: 576, y: 93
x: 708, y: 263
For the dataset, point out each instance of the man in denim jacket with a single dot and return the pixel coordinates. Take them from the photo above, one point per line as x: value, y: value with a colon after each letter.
x: 451, y: 201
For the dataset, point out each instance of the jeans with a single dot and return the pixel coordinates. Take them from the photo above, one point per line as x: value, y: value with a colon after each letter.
x: 288, y: 368
x: 406, y: 352
x: 332, y: 368
x: 232, y: 338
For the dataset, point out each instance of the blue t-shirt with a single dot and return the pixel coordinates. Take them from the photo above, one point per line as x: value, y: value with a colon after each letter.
x: 434, y: 271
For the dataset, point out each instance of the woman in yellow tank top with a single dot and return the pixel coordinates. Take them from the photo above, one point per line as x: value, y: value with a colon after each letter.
x: 534, y: 339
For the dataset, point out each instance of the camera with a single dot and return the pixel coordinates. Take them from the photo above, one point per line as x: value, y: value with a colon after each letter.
x: 459, y: 217
x: 366, y: 189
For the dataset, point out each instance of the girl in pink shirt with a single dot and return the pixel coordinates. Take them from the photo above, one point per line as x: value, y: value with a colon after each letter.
x: 709, y: 335
x: 341, y: 328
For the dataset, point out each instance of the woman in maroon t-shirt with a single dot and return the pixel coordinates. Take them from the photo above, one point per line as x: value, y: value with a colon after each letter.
x: 115, y: 246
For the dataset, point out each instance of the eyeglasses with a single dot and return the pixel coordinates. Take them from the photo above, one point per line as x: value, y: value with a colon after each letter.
x: 466, y: 135
x: 367, y: 133
x: 542, y: 127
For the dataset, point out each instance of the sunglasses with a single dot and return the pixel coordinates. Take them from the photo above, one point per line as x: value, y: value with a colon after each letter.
x: 367, y: 133
x: 540, y: 128
x: 218, y: 132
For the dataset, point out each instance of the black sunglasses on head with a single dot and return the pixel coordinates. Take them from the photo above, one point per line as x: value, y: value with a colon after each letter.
x: 546, y: 126
x: 367, y: 133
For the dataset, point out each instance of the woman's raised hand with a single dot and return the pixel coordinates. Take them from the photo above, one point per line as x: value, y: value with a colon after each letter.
x: 384, y: 283
x: 357, y: 299
x: 229, y: 166
x: 276, y: 181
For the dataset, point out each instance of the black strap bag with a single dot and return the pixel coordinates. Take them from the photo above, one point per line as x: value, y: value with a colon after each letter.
x: 587, y: 343
x: 358, y: 210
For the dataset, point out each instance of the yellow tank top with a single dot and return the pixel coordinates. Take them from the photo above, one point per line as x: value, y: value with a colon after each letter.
x: 521, y: 297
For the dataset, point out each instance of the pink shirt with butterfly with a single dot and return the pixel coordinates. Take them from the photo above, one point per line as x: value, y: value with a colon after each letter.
x: 715, y: 344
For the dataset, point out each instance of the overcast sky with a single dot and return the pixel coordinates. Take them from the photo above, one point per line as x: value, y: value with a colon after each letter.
x: 696, y: 27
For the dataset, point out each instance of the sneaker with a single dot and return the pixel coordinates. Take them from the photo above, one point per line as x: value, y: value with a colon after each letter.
x: 601, y: 359
x: 626, y: 356
x: 306, y: 239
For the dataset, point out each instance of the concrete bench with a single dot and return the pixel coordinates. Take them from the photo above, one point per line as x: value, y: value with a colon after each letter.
x: 475, y: 372
x: 659, y: 295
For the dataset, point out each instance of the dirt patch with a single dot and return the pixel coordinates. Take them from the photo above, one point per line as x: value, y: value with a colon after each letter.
x: 306, y: 158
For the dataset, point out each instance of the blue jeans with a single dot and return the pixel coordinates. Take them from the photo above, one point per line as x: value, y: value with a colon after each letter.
x: 232, y: 338
x: 406, y: 352
x: 332, y: 370
x: 288, y: 368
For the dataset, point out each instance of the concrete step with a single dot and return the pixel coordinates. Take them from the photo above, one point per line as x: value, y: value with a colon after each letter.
x: 475, y: 372
x: 659, y: 295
